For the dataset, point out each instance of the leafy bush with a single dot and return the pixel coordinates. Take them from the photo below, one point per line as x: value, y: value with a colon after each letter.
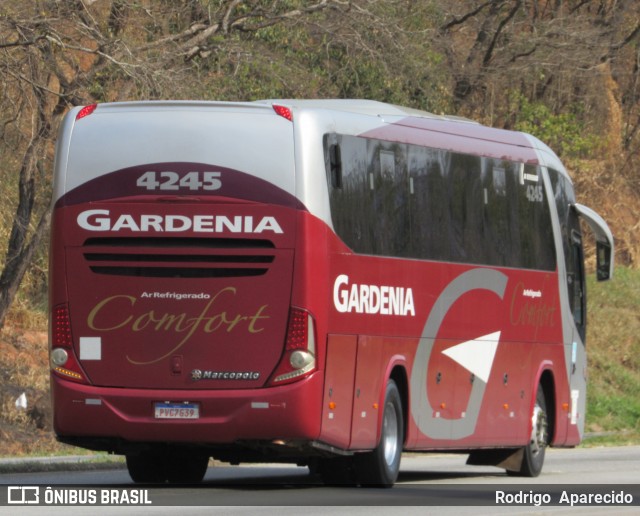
x: 564, y: 132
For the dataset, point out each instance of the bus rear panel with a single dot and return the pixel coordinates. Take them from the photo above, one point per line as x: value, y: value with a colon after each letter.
x: 173, y: 246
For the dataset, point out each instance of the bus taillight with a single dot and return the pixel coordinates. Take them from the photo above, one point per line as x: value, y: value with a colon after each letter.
x: 86, y: 111
x: 284, y: 112
x: 62, y: 357
x: 299, y: 358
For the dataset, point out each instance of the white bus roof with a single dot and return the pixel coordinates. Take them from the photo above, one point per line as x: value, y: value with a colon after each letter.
x: 360, y: 107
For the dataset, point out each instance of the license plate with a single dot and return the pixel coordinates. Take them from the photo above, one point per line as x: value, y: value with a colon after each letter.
x: 177, y: 411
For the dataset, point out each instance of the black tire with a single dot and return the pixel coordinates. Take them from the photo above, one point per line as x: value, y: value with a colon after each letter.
x: 534, y: 452
x: 337, y: 472
x: 167, y: 465
x: 380, y: 467
x: 186, y: 468
x: 146, y: 468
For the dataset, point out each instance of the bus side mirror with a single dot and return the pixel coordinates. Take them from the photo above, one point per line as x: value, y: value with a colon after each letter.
x: 603, y: 261
x: 604, y: 241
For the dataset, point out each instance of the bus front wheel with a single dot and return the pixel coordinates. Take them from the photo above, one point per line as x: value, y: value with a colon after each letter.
x: 534, y: 452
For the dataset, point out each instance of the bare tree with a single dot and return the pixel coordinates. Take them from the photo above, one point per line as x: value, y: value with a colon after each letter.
x: 467, y: 56
x: 57, y: 54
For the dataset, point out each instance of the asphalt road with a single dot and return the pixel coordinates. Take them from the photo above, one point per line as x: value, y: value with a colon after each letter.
x: 426, y: 481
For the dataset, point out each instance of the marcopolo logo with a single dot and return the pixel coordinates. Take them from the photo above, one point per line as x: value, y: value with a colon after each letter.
x: 102, y: 220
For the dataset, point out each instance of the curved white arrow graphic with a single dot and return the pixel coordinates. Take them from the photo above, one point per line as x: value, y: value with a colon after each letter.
x: 476, y: 355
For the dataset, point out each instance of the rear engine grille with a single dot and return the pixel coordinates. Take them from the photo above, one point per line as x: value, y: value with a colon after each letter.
x: 179, y: 257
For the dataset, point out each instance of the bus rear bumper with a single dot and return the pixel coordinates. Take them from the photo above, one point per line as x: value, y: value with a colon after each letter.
x: 103, y: 418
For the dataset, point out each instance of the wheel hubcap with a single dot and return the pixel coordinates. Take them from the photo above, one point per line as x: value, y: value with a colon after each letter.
x: 390, y: 434
x: 538, y: 430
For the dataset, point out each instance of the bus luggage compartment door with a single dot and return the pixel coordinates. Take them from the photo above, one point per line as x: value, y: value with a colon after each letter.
x: 338, y: 390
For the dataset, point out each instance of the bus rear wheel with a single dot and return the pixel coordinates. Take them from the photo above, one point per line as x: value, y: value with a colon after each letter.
x: 186, y: 468
x: 337, y: 472
x: 167, y: 465
x: 381, y: 466
x: 146, y: 468
x: 534, y: 452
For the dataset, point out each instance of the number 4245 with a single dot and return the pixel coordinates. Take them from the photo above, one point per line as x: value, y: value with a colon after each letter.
x: 172, y: 181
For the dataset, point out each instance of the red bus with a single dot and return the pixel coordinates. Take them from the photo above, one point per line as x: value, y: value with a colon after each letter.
x: 326, y: 283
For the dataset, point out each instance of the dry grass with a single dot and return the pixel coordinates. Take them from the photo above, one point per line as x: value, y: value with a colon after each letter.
x: 24, y: 369
x: 615, y: 195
